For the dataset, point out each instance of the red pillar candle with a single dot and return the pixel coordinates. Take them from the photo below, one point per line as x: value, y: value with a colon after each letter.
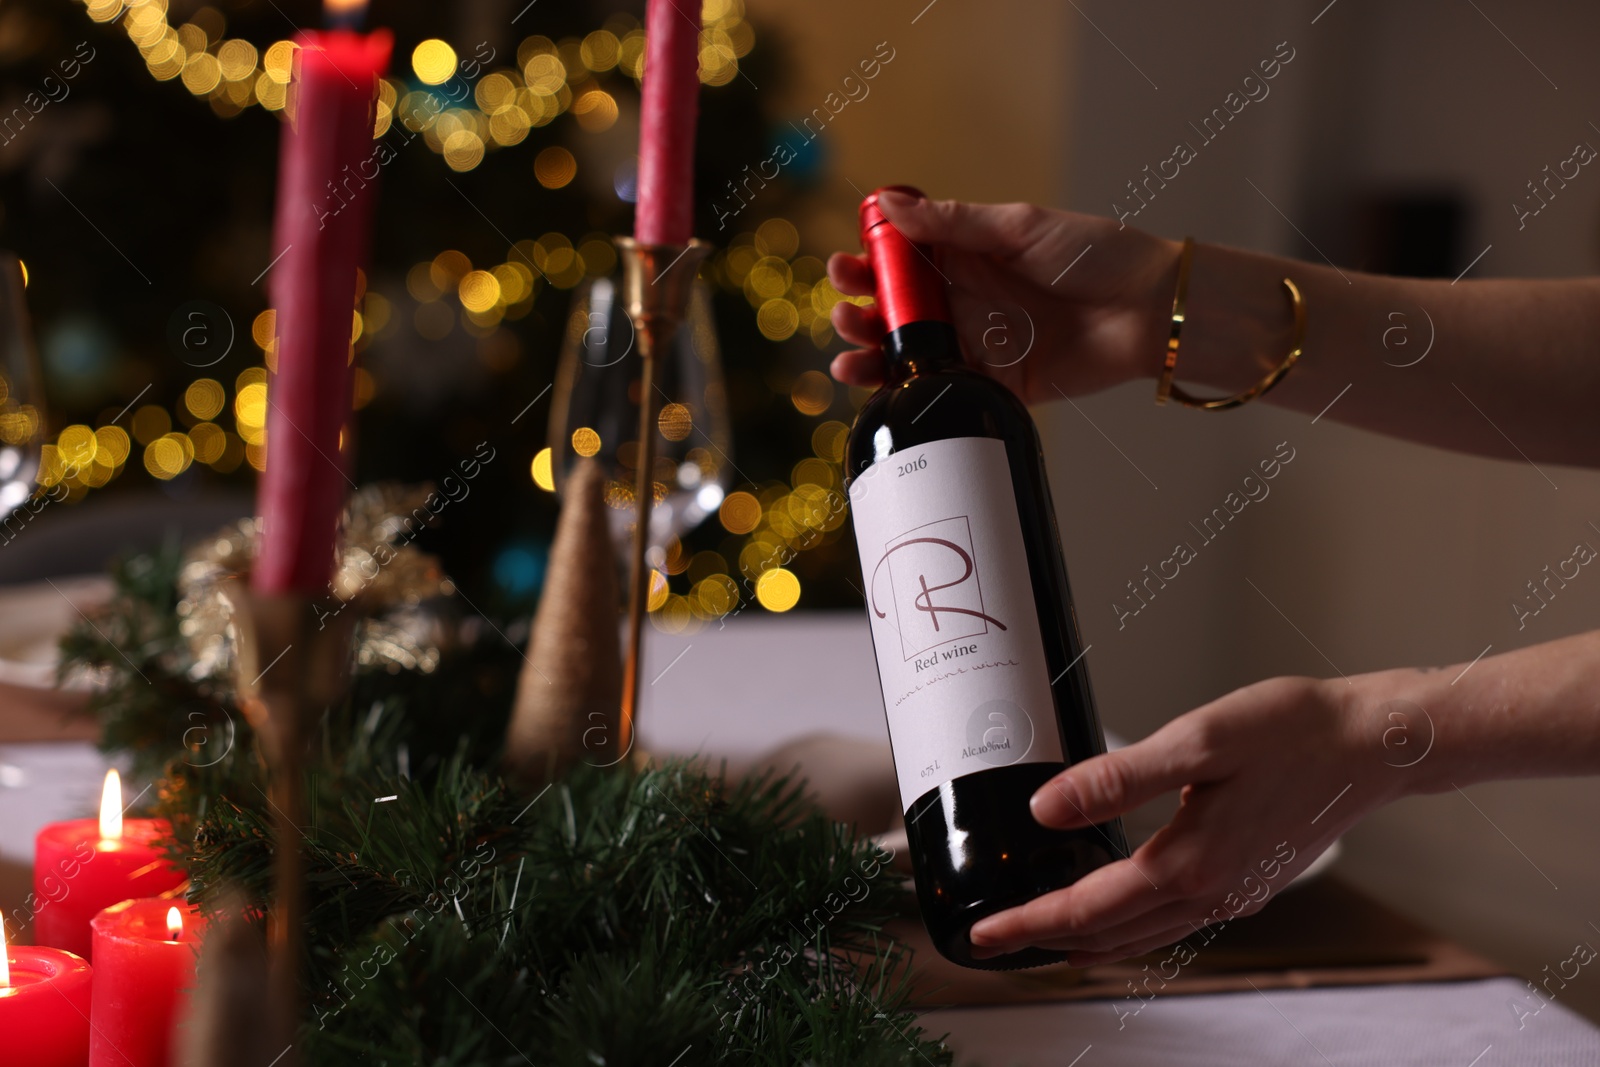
x: 667, y: 112
x: 44, y: 1006
x: 81, y: 866
x: 325, y: 175
x: 146, y: 956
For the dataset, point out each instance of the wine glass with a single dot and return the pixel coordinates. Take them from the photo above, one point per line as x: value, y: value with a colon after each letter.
x: 595, y: 414
x: 21, y: 392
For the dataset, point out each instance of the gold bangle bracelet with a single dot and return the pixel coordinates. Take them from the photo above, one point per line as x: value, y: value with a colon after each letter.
x: 1165, y: 386
x: 1180, y: 297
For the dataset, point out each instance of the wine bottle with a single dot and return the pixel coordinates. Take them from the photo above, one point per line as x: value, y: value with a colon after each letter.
x: 977, y: 644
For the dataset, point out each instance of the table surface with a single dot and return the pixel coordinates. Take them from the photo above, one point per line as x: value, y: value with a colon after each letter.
x: 760, y: 681
x: 1454, y: 1024
x: 765, y: 680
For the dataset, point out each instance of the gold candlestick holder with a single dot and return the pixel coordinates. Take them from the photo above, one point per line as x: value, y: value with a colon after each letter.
x: 656, y: 282
x: 291, y: 665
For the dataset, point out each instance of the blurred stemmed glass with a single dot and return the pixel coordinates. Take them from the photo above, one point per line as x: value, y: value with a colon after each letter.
x: 595, y: 414
x: 21, y: 392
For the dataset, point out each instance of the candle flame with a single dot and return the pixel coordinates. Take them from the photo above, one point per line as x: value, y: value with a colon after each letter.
x: 111, y: 807
x: 5, y: 959
x: 174, y: 924
x: 345, y: 13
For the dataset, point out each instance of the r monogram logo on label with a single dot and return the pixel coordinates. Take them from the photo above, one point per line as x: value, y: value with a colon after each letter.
x: 933, y: 586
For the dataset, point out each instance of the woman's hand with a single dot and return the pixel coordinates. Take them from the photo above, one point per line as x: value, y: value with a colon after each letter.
x: 1270, y: 776
x: 1048, y: 302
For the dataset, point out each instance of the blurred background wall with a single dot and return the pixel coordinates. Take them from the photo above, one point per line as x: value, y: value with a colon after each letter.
x: 1389, y: 119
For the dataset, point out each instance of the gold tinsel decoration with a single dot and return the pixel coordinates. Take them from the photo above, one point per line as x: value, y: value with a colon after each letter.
x: 381, y: 576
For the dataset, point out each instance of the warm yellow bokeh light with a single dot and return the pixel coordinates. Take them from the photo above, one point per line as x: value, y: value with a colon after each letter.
x: 77, y: 445
x: 434, y: 61
x: 812, y: 392
x: 201, y: 73
x: 714, y: 597
x: 463, y: 150
x: 365, y: 388
x: 599, y: 51
x: 658, y: 590
x: 166, y: 457
x: 205, y: 398
x: 448, y: 268
x: 675, y: 422
x: 599, y: 256
x: 777, y: 320
x: 828, y: 440
x: 585, y: 442
x: 516, y: 282
x: 112, y: 445
x: 237, y: 58
x: 264, y: 328
x: 279, y: 61
x: 595, y: 110
x: 376, y: 314
x: 740, y: 513
x: 778, y: 589
x: 777, y: 237
x: 210, y: 441
x: 20, y: 425
x: 250, y: 411
x: 479, y: 291
x: 555, y: 167
x: 543, y: 473
x: 545, y: 73
x: 813, y: 472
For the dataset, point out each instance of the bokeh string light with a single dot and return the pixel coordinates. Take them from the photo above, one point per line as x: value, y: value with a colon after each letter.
x: 462, y: 111
x: 464, y: 107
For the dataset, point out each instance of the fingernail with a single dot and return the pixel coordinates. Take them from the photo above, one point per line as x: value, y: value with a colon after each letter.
x: 984, y: 952
x: 1053, y: 806
x: 894, y: 198
x: 983, y: 931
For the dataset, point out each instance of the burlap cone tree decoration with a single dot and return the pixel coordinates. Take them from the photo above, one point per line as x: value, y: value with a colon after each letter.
x: 570, y: 694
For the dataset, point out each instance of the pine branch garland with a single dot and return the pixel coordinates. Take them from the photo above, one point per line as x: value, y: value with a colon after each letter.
x: 618, y: 917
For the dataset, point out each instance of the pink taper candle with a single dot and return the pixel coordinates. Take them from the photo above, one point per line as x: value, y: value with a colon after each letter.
x: 325, y: 194
x: 670, y: 105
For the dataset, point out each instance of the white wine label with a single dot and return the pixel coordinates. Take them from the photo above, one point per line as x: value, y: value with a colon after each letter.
x: 962, y: 665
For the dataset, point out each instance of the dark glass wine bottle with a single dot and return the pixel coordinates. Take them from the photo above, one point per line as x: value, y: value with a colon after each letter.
x: 984, y: 683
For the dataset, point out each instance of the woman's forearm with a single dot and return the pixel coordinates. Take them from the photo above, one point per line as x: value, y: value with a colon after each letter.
x: 1530, y: 713
x: 1503, y: 368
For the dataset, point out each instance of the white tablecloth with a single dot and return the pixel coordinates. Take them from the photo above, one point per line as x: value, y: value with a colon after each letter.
x: 760, y: 681
x: 1449, y: 1024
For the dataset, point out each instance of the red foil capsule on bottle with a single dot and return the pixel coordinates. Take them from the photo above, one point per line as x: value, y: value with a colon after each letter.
x: 910, y: 287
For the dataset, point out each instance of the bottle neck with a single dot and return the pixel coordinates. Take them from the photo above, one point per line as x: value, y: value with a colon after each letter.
x: 911, y: 299
x: 921, y: 348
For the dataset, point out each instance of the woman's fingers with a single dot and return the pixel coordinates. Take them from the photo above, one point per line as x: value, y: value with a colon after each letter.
x: 989, y: 228
x: 1190, y: 914
x: 1106, y: 786
x: 1104, y: 897
x: 1187, y: 914
x: 859, y: 366
x: 858, y: 325
x: 851, y: 275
